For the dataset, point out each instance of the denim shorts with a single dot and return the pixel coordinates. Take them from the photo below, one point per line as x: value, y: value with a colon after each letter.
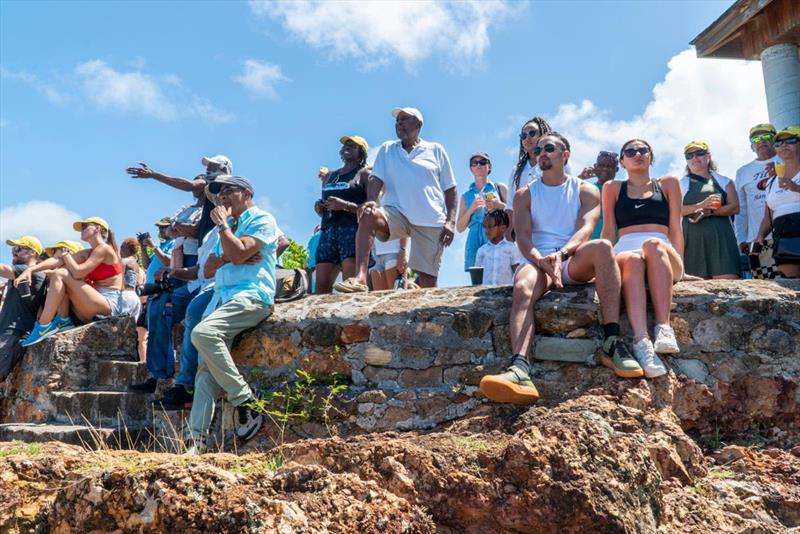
x: 336, y: 244
x: 384, y: 262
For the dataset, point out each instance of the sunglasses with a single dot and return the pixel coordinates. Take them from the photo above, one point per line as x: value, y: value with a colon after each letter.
x: 549, y: 148
x: 476, y: 162
x: 228, y: 190
x: 762, y: 137
x: 631, y: 152
x: 530, y: 133
x: 787, y: 141
x: 16, y: 249
x: 697, y: 153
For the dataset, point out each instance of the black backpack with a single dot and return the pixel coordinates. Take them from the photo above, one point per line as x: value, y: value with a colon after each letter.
x: 290, y: 284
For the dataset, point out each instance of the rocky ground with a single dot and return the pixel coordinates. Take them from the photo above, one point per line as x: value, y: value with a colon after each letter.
x: 611, y: 460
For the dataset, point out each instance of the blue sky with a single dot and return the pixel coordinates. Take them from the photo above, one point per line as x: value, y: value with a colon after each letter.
x: 89, y: 88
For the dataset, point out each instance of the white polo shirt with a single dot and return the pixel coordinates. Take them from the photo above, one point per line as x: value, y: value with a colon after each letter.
x: 415, y: 181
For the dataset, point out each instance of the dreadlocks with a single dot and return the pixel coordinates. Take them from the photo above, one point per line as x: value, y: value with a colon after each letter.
x: 544, y: 128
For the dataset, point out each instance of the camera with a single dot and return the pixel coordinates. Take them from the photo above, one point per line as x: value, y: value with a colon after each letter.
x: 157, y: 287
x: 143, y: 236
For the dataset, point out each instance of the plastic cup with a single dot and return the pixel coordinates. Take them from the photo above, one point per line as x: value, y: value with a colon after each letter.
x: 780, y: 169
x: 716, y: 202
x: 476, y: 275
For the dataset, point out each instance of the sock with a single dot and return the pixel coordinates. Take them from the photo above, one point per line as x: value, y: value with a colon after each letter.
x: 610, y: 329
x: 521, y: 362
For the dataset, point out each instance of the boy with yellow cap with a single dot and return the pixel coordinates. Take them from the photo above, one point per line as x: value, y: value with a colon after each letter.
x: 21, y: 303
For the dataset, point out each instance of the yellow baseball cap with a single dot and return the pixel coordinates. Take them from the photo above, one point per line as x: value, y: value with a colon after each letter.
x: 93, y: 220
x: 697, y: 143
x: 27, y: 241
x: 789, y: 131
x: 357, y: 139
x: 764, y: 127
x: 72, y: 246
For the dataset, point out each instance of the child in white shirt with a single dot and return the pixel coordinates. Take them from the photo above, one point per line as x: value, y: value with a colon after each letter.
x: 499, y: 258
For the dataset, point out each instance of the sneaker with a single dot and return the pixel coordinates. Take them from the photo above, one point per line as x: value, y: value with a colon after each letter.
x: 617, y: 357
x: 514, y: 386
x: 175, y: 398
x: 148, y: 386
x: 64, y: 323
x: 248, y: 421
x: 40, y: 333
x: 351, y: 285
x: 648, y: 359
x: 665, y: 340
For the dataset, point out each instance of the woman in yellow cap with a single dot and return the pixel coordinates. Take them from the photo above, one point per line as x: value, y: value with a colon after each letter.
x: 87, y: 283
x: 343, y: 191
x: 782, y: 214
x: 709, y: 202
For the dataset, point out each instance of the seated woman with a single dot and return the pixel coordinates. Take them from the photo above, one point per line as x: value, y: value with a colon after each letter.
x: 782, y: 213
x: 86, y: 283
x: 646, y: 212
x: 709, y: 201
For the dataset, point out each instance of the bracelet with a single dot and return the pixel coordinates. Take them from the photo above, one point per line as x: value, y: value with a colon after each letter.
x: 224, y: 226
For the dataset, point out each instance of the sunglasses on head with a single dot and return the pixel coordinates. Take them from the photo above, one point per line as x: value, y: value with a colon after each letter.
x: 549, y: 148
x: 697, y: 153
x: 476, y: 162
x: 531, y: 133
x: 787, y: 141
x: 631, y: 152
x: 762, y: 137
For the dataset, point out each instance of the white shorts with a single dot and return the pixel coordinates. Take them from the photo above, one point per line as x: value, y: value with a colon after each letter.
x: 384, y: 262
x: 121, y: 302
x: 633, y: 242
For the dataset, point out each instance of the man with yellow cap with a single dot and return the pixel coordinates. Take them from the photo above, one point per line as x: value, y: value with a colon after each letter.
x: 751, y: 187
x: 18, y: 313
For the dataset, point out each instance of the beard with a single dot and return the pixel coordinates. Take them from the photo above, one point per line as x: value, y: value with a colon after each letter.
x: 545, y: 164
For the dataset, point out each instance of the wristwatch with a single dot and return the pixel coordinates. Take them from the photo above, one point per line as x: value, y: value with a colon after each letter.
x: 564, y: 254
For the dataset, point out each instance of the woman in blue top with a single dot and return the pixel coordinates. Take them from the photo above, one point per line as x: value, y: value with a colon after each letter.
x: 482, y: 197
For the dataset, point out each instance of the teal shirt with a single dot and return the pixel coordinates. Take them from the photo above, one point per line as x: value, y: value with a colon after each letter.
x: 599, y: 228
x: 256, y: 281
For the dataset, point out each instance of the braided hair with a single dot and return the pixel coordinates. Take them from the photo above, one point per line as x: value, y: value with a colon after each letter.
x: 500, y: 217
x: 544, y: 128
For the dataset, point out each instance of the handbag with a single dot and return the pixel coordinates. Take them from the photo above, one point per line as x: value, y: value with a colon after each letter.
x: 787, y: 249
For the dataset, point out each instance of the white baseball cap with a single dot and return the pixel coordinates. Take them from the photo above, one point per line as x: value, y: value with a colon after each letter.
x: 222, y: 161
x: 411, y: 111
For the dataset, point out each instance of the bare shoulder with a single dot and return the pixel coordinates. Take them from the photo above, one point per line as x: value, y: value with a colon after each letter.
x: 589, y: 190
x: 669, y: 182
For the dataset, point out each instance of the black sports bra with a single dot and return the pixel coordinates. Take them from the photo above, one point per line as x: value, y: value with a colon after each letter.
x: 634, y: 211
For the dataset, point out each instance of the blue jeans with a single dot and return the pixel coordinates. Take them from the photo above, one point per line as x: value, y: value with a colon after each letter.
x: 188, y: 356
x: 164, y: 311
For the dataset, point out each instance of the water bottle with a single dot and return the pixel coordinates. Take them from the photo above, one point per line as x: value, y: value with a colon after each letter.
x: 399, y: 282
x: 24, y: 289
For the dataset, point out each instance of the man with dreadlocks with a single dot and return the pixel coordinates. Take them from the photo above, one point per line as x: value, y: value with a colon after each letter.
x: 555, y: 216
x: 526, y: 169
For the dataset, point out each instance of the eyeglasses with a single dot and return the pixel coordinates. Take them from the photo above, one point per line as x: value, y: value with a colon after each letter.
x: 762, y: 137
x: 787, y: 141
x: 476, y: 162
x: 531, y: 133
x: 697, y: 153
x: 228, y: 190
x: 631, y: 152
x: 549, y: 148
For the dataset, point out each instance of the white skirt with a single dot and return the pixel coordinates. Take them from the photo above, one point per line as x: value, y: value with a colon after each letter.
x: 633, y: 242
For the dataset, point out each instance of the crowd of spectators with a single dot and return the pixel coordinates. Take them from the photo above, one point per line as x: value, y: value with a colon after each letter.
x: 212, y: 266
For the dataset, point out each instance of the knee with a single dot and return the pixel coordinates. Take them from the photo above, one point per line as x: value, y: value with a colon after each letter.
x: 632, y: 263
x: 57, y: 273
x: 201, y: 335
x: 523, y: 288
x: 653, y: 248
x: 603, y: 249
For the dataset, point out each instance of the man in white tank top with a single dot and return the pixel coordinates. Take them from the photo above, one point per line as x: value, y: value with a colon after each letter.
x: 554, y: 219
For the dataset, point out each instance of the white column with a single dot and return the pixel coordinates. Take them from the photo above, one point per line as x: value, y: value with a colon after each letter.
x: 781, y: 66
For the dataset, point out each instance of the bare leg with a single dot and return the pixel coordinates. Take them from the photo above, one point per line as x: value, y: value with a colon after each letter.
x: 86, y: 301
x: 56, y: 293
x: 632, y: 267
x: 659, y: 278
x: 595, y: 259
x: 530, y: 284
x: 389, y: 276
x: 378, y: 281
x: 725, y: 277
x: 427, y: 280
x: 326, y: 274
x: 348, y: 268
x: 141, y: 333
x: 371, y: 222
x: 790, y: 270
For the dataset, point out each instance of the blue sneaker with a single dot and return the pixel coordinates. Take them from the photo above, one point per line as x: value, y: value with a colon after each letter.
x: 39, y: 333
x: 64, y: 323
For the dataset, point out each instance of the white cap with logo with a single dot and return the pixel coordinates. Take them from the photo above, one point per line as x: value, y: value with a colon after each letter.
x: 414, y: 112
x: 223, y: 161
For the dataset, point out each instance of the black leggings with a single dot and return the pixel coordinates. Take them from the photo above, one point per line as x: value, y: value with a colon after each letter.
x: 783, y: 227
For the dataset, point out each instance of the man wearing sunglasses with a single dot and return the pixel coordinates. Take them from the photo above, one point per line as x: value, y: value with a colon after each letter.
x: 21, y: 303
x: 553, y: 220
x: 751, y: 187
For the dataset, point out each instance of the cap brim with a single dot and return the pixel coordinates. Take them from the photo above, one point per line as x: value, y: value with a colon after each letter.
x: 12, y: 243
x: 77, y: 225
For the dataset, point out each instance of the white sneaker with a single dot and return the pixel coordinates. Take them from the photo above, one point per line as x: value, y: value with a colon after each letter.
x: 665, y: 340
x: 646, y: 355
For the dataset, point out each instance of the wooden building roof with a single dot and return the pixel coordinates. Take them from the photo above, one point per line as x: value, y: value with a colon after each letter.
x: 748, y: 27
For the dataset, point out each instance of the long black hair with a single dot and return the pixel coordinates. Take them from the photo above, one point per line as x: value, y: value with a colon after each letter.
x: 544, y: 128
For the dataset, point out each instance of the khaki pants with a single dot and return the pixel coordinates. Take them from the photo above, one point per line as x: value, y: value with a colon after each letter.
x: 426, y: 251
x: 216, y: 372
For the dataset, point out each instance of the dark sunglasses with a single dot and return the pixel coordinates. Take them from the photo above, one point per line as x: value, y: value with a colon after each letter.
x: 762, y: 137
x: 787, y: 141
x: 549, y: 148
x: 16, y: 249
x: 476, y: 162
x: 697, y: 153
x: 222, y: 189
x: 631, y: 152
x: 531, y: 133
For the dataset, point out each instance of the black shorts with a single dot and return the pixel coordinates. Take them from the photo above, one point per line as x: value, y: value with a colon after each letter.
x: 142, y: 319
x: 786, y: 226
x: 336, y: 244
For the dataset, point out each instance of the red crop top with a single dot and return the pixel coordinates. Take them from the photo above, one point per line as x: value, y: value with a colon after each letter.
x: 103, y: 272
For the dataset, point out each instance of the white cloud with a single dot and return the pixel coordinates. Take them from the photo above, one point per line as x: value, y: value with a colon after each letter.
x: 137, y: 92
x: 260, y: 77
x: 48, y: 221
x: 47, y: 89
x: 714, y: 100
x: 375, y: 33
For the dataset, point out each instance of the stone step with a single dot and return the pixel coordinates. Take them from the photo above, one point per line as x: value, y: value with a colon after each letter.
x: 113, y: 375
x: 86, y: 436
x: 106, y: 408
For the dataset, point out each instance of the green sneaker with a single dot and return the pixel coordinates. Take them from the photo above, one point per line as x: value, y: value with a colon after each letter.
x: 514, y: 386
x: 617, y: 357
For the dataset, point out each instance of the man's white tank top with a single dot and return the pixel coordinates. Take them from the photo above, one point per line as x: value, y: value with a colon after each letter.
x: 554, y: 213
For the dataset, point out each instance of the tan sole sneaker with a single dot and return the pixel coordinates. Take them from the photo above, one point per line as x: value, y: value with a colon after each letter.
x: 608, y: 362
x: 501, y: 390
